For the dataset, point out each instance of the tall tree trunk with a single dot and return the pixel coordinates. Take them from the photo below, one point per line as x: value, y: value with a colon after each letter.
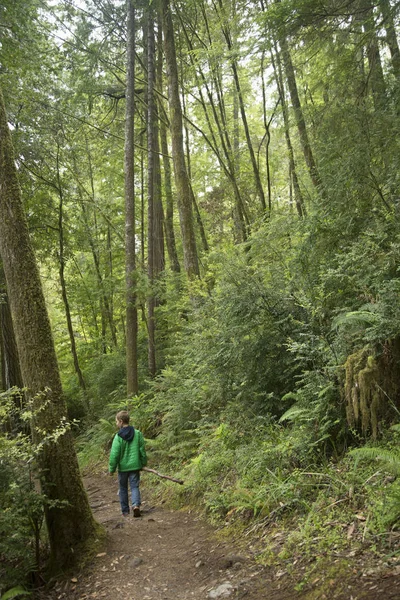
x: 178, y: 154
x: 159, y: 246
x: 70, y: 524
x: 169, y: 203
x: 130, y: 250
x: 267, y: 135
x: 234, y: 66
x: 298, y: 196
x: 10, y: 367
x: 238, y: 216
x: 168, y: 220
x: 391, y: 37
x: 376, y: 78
x: 142, y: 201
x: 151, y: 132
x: 106, y: 308
x: 298, y: 112
x: 63, y: 284
x: 227, y: 161
x: 199, y: 220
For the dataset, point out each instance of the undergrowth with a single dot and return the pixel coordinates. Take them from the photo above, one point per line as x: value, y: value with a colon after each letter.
x: 295, y: 504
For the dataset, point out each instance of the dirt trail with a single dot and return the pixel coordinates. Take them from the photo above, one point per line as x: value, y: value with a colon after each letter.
x: 173, y: 555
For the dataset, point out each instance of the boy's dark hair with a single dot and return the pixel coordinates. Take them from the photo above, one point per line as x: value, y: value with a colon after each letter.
x: 123, y: 416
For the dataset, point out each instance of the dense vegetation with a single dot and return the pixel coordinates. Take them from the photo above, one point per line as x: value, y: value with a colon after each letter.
x: 262, y: 336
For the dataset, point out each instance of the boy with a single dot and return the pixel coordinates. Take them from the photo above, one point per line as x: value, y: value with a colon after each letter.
x: 128, y: 453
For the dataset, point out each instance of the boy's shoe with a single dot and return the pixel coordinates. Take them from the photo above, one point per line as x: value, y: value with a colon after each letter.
x: 136, y: 511
x: 125, y: 514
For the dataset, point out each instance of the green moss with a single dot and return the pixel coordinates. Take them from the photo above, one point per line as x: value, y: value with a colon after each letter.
x: 363, y: 392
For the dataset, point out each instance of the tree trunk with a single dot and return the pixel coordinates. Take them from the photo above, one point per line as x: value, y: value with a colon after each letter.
x: 230, y: 168
x: 106, y: 309
x: 267, y: 135
x: 169, y: 211
x: 10, y: 367
x: 376, y: 78
x: 151, y: 132
x: 298, y: 112
x: 168, y: 220
x: 130, y: 250
x: 70, y: 524
x: 391, y: 37
x: 178, y: 154
x: 234, y: 66
x: 63, y: 284
x: 298, y: 196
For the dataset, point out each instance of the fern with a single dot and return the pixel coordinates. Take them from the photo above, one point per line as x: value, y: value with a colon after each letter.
x: 358, y: 318
x: 14, y: 593
x: 293, y: 413
x: 391, y: 458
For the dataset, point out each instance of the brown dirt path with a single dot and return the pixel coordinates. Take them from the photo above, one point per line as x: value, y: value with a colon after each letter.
x: 174, y: 555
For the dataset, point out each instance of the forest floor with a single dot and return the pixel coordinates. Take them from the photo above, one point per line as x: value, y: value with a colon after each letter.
x: 176, y: 555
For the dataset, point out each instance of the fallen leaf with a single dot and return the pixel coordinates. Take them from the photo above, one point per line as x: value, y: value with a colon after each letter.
x: 101, y: 554
x: 350, y: 530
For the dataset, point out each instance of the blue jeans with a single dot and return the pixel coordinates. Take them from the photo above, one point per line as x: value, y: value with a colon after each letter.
x: 134, y: 478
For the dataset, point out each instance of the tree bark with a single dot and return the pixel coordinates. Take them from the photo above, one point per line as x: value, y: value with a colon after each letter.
x: 168, y: 219
x: 181, y: 177
x: 235, y: 71
x: 298, y: 112
x: 169, y: 210
x: 298, y: 196
x: 391, y: 37
x: 195, y: 206
x: 10, y: 367
x: 70, y: 524
x: 376, y: 78
x: 151, y: 132
x: 63, y: 284
x: 130, y: 250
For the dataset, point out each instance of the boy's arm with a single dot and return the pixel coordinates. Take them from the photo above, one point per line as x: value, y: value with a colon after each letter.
x: 114, y: 455
x: 142, y: 451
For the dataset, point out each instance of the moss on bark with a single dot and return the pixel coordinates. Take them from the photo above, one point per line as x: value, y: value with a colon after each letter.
x: 371, y: 387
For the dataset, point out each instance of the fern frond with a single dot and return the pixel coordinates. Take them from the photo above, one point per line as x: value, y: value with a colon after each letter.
x: 14, y: 592
x: 356, y: 317
x: 391, y: 458
x: 292, y: 413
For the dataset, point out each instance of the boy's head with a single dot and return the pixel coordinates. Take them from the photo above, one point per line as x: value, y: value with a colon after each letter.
x: 122, y: 418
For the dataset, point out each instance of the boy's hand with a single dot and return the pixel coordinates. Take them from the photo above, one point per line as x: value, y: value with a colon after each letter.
x: 111, y: 474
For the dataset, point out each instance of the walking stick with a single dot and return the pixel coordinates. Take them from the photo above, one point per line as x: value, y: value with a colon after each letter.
x: 162, y: 476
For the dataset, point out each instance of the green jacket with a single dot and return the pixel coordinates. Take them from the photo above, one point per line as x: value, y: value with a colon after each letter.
x: 128, y: 451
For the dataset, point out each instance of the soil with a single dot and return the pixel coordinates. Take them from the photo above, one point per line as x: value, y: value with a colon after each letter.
x: 176, y: 555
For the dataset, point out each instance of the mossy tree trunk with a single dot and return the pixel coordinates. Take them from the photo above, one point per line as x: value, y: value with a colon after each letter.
x: 70, y: 524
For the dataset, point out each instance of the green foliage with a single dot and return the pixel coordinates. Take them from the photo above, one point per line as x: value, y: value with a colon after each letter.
x: 23, y: 542
x: 105, y: 375
x: 14, y: 592
x: 22, y: 506
x: 386, y: 499
x: 250, y: 401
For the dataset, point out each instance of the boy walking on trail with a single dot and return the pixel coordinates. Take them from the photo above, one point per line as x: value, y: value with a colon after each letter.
x: 128, y: 454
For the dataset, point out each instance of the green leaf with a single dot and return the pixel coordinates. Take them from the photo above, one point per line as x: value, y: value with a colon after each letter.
x: 14, y: 592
